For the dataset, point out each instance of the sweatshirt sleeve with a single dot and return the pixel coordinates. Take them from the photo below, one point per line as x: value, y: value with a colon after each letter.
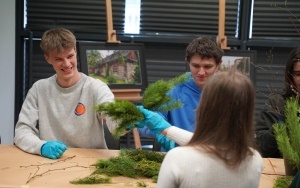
x: 105, y: 95
x: 178, y: 135
x: 26, y: 131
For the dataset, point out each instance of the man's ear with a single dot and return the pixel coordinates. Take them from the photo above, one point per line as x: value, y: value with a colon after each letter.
x: 220, y: 62
x: 218, y: 65
x: 47, y: 58
x: 187, y: 65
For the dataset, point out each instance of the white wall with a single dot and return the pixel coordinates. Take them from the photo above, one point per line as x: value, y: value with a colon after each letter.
x: 7, y: 70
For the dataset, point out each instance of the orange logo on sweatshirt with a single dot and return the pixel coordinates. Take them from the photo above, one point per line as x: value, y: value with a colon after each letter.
x: 80, y: 109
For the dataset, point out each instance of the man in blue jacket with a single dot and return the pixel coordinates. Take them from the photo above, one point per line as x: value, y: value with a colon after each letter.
x: 204, y: 56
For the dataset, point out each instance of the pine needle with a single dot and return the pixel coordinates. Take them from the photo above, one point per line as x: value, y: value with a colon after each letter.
x: 131, y: 163
x: 92, y: 179
x: 154, y: 95
x: 138, y: 155
x: 121, y: 111
x: 116, y: 166
x: 155, y: 98
x: 288, y: 133
x: 283, y: 182
x: 141, y: 184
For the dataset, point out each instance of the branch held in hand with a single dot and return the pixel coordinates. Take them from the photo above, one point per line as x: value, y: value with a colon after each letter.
x: 155, y: 98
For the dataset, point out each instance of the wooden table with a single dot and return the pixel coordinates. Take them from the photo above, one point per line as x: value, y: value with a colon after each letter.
x: 16, y: 167
x: 273, y: 168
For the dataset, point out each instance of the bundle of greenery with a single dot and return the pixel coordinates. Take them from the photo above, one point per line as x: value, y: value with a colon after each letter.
x: 155, y: 98
x: 287, y: 133
x: 130, y: 163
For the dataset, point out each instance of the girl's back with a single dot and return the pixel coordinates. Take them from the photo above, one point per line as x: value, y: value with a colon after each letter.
x: 189, y: 167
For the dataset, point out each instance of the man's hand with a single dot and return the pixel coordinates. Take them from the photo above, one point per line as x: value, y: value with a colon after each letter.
x: 53, y: 149
x: 155, y: 122
x: 164, y: 141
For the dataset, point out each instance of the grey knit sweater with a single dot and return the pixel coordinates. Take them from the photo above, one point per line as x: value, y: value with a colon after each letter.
x: 51, y: 113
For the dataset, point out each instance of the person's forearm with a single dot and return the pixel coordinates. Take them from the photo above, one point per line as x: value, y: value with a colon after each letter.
x: 165, y: 131
x: 178, y: 135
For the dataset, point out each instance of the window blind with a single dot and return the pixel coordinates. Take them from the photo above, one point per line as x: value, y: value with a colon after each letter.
x: 276, y: 18
x: 81, y: 16
x: 187, y: 17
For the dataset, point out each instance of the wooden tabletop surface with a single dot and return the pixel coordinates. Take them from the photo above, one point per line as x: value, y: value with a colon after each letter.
x: 18, y: 167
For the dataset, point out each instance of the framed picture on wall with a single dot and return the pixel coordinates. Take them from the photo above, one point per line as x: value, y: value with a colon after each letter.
x: 120, y: 65
x: 242, y: 60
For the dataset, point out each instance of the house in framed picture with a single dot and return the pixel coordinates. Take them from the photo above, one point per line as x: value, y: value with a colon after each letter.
x: 120, y: 65
x: 115, y: 65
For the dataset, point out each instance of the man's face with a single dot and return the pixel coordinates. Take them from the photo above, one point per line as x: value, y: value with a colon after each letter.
x: 202, y: 69
x: 296, y: 75
x: 64, y: 64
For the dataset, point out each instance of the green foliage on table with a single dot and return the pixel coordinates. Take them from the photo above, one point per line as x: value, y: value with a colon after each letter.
x: 141, y: 184
x: 155, y: 98
x: 92, y: 179
x: 287, y: 133
x: 130, y: 163
x: 283, y: 182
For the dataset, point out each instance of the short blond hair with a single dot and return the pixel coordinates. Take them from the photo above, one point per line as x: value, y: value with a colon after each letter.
x: 57, y: 40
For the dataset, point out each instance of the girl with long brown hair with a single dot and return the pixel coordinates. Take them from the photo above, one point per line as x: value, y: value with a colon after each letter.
x: 220, y: 153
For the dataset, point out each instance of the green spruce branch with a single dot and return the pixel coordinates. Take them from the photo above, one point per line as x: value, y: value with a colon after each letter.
x: 92, y: 179
x: 122, y: 111
x: 155, y: 98
x: 283, y: 182
x: 130, y: 163
x: 287, y: 133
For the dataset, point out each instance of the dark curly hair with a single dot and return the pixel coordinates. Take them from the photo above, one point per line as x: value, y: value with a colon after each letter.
x: 205, y: 47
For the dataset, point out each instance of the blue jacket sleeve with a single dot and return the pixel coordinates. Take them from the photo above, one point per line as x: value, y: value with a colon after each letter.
x: 145, y: 132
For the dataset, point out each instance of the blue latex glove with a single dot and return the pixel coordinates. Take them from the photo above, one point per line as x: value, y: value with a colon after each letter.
x: 53, y: 149
x: 155, y: 122
x: 164, y: 141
